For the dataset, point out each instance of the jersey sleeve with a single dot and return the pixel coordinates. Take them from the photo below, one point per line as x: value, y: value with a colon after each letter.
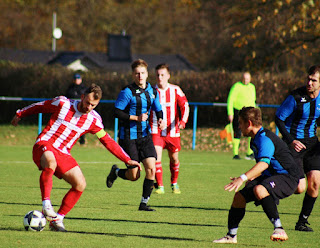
x: 156, y: 106
x: 48, y: 106
x: 265, y: 150
x: 112, y: 146
x: 287, y: 108
x: 123, y: 99
x: 183, y: 105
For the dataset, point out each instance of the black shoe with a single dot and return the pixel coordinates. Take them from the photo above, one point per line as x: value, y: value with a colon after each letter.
x: 236, y: 157
x: 112, y: 176
x: 145, y: 207
x: 302, y: 226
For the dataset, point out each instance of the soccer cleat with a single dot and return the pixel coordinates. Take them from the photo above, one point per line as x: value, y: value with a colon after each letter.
x: 112, y: 176
x: 226, y: 240
x: 159, y: 190
x: 175, y: 189
x: 49, y: 212
x: 302, y: 226
x: 279, y: 234
x: 236, y: 157
x: 57, y: 226
x: 145, y: 207
x: 249, y: 157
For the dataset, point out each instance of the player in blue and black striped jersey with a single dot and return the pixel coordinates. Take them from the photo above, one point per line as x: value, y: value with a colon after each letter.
x: 274, y: 176
x: 133, y: 107
x: 296, y: 119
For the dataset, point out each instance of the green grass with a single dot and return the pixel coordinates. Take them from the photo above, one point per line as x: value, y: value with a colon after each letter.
x: 109, y: 217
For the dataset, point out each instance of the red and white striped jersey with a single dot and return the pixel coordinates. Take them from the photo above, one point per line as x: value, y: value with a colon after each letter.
x: 67, y: 124
x: 170, y: 98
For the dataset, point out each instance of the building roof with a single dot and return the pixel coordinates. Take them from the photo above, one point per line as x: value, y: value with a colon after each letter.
x: 92, y: 60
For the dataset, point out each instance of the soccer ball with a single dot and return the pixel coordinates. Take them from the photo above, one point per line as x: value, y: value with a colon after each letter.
x: 34, y: 221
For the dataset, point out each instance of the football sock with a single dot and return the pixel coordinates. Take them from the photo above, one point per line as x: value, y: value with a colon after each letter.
x: 234, y: 218
x: 174, y: 169
x: 307, y: 207
x: 69, y: 200
x: 270, y: 208
x: 122, y: 174
x: 46, y: 183
x: 147, y: 190
x: 235, y: 146
x: 159, y: 174
x: 249, y: 151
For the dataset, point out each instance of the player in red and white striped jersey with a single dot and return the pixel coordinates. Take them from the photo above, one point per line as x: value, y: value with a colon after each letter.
x: 172, y: 99
x: 69, y: 120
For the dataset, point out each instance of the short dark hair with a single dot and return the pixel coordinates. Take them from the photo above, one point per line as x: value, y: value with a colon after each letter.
x: 138, y: 62
x: 96, y: 90
x: 251, y: 113
x: 163, y: 66
x: 314, y: 69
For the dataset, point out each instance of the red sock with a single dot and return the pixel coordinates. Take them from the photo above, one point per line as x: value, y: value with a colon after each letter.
x: 159, y: 174
x: 174, y: 168
x: 46, y: 183
x: 69, y: 200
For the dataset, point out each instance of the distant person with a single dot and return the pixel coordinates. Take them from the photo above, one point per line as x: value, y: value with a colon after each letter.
x: 74, y: 91
x: 296, y: 119
x: 51, y: 153
x: 242, y: 94
x: 172, y: 99
x: 274, y: 176
x: 133, y: 107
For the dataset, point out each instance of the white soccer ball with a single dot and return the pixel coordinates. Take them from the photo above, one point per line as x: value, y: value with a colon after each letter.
x: 34, y: 221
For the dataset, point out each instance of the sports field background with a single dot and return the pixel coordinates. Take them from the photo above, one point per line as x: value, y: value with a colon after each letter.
x: 109, y: 217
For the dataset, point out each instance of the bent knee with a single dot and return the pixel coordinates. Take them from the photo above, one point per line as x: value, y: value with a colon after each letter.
x: 81, y: 186
x: 260, y: 192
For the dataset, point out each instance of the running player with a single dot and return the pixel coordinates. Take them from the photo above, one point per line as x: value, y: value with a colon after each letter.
x: 51, y: 153
x: 133, y: 107
x: 274, y: 176
x: 296, y: 119
x: 171, y: 98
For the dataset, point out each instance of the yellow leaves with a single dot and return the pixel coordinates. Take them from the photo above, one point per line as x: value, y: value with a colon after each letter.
x: 256, y: 21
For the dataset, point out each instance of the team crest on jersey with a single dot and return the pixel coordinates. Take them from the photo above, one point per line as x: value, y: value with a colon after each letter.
x: 303, y: 99
x: 138, y: 91
x: 153, y: 96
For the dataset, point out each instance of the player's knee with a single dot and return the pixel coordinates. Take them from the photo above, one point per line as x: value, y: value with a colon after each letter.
x: 238, y: 201
x: 133, y: 176
x: 301, y: 187
x: 260, y: 192
x: 81, y: 185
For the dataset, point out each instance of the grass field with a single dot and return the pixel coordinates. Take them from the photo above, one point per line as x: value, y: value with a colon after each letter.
x: 109, y: 217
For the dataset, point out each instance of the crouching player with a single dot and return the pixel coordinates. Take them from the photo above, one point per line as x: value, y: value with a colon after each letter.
x: 51, y: 153
x: 274, y: 176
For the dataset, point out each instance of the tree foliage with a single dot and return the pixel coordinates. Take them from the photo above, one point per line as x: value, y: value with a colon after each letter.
x: 274, y: 35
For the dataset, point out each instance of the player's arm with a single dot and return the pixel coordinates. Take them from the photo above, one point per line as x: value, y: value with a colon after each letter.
x: 156, y: 106
x: 184, y: 108
x: 251, y: 174
x: 115, y: 148
x: 230, y: 101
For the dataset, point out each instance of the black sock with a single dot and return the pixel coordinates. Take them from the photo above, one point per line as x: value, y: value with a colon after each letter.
x: 235, y: 216
x: 147, y: 188
x: 122, y: 174
x: 270, y: 208
x: 307, y: 207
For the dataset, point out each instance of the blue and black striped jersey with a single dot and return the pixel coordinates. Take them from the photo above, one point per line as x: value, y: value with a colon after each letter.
x: 269, y: 148
x: 134, y: 100
x: 299, y: 113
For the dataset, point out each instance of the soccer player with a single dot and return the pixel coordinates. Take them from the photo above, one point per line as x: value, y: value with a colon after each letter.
x: 274, y: 176
x: 296, y: 119
x: 171, y: 97
x: 133, y: 107
x: 51, y: 153
x: 242, y: 94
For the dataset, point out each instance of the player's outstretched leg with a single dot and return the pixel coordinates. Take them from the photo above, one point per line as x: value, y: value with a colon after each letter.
x: 57, y: 224
x: 279, y: 234
x: 112, y: 176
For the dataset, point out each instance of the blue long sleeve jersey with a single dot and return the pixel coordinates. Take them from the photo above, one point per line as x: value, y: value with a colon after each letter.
x: 269, y: 148
x: 299, y: 112
x: 134, y: 100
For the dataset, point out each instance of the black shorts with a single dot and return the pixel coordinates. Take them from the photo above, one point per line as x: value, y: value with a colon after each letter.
x: 235, y: 124
x: 279, y: 187
x: 308, y: 159
x: 139, y: 149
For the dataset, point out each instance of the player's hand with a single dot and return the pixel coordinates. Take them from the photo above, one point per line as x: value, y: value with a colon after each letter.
x: 297, y: 145
x: 230, y: 118
x: 143, y: 117
x: 134, y: 164
x: 161, y: 124
x: 234, y: 185
x: 15, y: 120
x: 182, y: 125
